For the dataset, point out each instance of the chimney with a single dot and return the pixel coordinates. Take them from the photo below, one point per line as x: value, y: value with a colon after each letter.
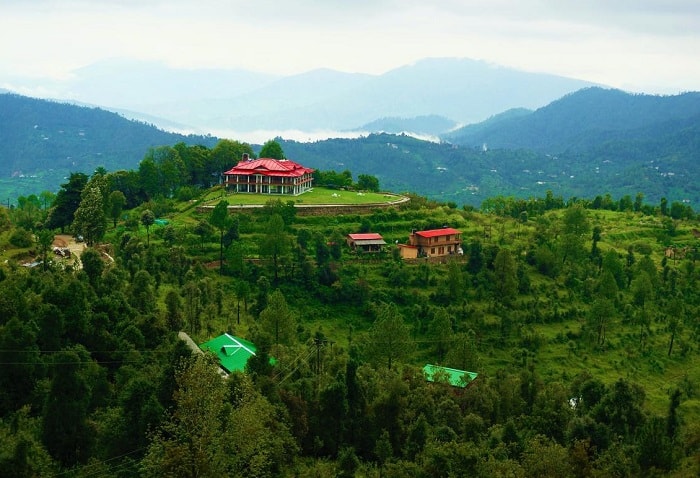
x: 246, y: 157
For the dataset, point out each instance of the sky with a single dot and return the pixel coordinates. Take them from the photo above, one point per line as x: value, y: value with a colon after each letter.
x: 649, y: 46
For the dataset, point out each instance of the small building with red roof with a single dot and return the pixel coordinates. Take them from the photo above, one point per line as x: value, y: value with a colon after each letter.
x: 366, y: 242
x: 268, y: 176
x: 433, y: 243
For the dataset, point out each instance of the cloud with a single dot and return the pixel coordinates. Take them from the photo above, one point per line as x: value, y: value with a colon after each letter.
x: 620, y: 43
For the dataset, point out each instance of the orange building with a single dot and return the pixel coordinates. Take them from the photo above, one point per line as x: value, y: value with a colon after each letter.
x: 433, y: 243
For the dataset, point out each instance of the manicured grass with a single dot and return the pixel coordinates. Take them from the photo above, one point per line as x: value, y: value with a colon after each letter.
x: 314, y: 196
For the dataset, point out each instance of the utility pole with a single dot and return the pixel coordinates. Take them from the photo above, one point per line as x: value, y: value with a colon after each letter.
x: 319, y: 343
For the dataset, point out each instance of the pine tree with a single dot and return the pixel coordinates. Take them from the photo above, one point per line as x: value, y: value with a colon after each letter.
x: 90, y: 220
x: 277, y: 320
x: 389, y: 339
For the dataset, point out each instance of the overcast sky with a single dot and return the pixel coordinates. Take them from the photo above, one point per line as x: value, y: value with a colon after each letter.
x: 650, y: 46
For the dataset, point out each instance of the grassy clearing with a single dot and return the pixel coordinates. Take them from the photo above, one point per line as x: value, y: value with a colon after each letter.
x: 315, y: 196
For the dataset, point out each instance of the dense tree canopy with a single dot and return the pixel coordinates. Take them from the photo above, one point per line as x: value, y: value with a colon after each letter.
x: 569, y: 344
x: 90, y: 220
x: 272, y: 149
x: 67, y: 202
x: 225, y: 155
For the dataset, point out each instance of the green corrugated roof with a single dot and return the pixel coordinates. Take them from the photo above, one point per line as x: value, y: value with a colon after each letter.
x: 233, y: 352
x: 456, y: 378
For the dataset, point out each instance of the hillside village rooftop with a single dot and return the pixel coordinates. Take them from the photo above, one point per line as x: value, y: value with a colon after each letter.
x: 233, y: 352
x: 432, y: 243
x: 453, y: 376
x: 366, y: 242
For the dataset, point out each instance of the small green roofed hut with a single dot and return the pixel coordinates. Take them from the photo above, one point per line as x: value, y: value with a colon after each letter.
x: 456, y: 378
x: 233, y: 352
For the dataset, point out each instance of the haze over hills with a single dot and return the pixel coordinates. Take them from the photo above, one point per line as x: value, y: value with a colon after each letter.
x: 584, y: 119
x: 227, y: 103
x: 430, y: 125
x: 588, y: 143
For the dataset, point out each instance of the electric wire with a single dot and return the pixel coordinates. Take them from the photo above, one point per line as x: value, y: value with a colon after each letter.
x: 92, y: 465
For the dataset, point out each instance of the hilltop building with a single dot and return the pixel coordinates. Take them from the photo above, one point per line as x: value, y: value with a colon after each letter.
x: 268, y: 176
x: 432, y: 243
x: 366, y: 242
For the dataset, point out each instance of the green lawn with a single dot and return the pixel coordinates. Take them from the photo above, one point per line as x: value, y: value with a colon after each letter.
x: 315, y: 196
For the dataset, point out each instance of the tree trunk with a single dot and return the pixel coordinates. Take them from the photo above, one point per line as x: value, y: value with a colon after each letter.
x: 221, y: 253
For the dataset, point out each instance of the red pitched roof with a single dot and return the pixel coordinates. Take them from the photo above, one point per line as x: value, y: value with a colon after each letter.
x: 438, y: 232
x: 269, y: 167
x: 369, y: 236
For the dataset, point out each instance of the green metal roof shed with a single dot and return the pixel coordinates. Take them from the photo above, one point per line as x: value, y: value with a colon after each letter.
x: 233, y: 352
x: 456, y: 378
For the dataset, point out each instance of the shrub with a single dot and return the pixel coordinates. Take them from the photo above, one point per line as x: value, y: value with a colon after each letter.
x: 643, y: 248
x: 186, y: 193
x: 21, y: 238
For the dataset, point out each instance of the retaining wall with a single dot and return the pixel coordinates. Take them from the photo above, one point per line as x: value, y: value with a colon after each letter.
x: 317, y: 209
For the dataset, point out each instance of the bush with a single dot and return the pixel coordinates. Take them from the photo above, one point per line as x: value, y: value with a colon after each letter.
x: 21, y: 238
x: 643, y: 248
x: 186, y: 193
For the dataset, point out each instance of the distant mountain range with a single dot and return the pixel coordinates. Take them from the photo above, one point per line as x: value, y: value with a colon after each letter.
x: 583, y: 120
x: 462, y: 91
x: 591, y: 142
x: 587, y: 143
x: 430, y: 126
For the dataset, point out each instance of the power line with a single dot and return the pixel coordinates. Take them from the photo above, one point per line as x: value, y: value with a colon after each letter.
x: 87, y: 362
x: 297, y: 367
x: 48, y: 353
x: 92, y: 465
x: 89, y: 351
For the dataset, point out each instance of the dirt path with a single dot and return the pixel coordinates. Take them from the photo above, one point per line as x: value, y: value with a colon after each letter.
x: 66, y: 241
x: 190, y: 343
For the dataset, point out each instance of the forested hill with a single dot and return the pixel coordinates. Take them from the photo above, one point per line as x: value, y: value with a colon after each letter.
x: 589, y: 120
x: 590, y: 143
x: 37, y: 136
x: 581, y: 325
x: 659, y: 166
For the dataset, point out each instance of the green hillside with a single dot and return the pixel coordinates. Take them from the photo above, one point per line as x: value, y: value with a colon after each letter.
x: 580, y: 323
x: 584, y: 120
x: 589, y: 143
x: 659, y: 167
x: 41, y: 142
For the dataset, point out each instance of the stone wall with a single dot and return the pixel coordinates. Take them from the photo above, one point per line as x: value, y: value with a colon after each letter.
x: 318, y: 209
